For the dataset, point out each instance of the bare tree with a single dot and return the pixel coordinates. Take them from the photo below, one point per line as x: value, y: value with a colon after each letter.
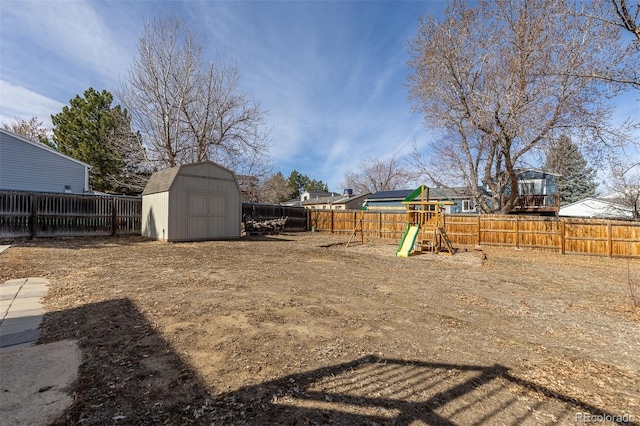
x: 31, y: 129
x: 274, y: 189
x: 382, y: 174
x: 188, y: 110
x: 627, y: 16
x: 618, y: 18
x: 135, y: 167
x: 616, y: 13
x: 500, y: 80
x: 625, y: 183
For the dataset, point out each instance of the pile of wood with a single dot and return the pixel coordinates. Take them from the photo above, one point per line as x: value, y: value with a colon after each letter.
x: 267, y: 226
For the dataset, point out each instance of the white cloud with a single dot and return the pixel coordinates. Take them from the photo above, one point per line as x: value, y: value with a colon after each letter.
x: 72, y: 30
x: 20, y: 102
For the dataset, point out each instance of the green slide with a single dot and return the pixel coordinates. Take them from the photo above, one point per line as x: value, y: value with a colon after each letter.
x: 408, y: 240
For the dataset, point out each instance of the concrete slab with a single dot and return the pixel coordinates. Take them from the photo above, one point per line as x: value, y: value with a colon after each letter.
x: 20, y: 303
x: 19, y: 346
x: 32, y: 292
x: 4, y: 247
x: 35, y: 381
x: 21, y: 313
x: 16, y: 325
x: 7, y: 341
x: 15, y: 281
x: 37, y: 280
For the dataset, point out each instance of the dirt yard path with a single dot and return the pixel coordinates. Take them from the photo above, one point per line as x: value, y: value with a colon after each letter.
x: 298, y: 329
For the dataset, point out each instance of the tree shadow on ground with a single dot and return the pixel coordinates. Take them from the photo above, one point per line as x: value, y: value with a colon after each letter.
x: 132, y: 375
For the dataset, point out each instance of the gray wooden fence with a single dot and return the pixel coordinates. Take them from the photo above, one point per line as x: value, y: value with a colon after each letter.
x: 297, y: 217
x: 31, y: 215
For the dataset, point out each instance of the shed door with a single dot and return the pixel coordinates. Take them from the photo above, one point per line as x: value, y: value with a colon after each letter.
x: 206, y: 215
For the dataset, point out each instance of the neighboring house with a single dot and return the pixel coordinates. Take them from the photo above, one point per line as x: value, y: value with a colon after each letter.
x: 537, y: 192
x: 294, y: 202
x: 346, y: 201
x: 311, y: 195
x: 605, y: 207
x: 34, y: 167
x: 392, y: 200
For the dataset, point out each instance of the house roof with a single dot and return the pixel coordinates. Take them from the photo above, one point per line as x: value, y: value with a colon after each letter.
x: 390, y: 195
x: 43, y: 146
x: 319, y: 194
x: 161, y: 181
x: 521, y: 171
x: 336, y: 199
x: 531, y: 169
x: 434, y: 194
x: 596, y: 207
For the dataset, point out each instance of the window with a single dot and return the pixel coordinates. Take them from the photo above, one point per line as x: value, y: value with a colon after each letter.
x: 468, y: 206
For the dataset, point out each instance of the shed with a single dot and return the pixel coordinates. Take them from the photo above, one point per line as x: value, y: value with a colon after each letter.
x: 31, y: 166
x: 192, y: 202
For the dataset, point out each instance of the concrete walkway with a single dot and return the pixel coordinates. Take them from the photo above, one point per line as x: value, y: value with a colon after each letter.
x: 21, y: 312
x: 34, y: 379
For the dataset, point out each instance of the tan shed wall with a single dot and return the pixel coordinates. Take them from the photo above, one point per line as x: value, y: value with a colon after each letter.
x: 205, y: 207
x: 155, y: 216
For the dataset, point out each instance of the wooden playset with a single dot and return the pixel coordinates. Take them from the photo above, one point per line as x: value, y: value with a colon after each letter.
x: 425, y: 224
x: 425, y: 230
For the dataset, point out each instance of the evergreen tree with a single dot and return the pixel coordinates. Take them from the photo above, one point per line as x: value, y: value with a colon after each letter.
x: 576, y: 180
x: 93, y: 131
x: 299, y: 181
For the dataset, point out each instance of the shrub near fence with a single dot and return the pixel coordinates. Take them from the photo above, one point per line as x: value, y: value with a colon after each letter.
x: 566, y: 235
x: 24, y: 214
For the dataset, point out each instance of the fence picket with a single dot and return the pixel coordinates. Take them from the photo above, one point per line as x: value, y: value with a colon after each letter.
x: 50, y: 215
x: 614, y: 238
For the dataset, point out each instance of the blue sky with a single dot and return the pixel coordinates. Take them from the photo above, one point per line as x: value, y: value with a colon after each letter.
x: 331, y: 74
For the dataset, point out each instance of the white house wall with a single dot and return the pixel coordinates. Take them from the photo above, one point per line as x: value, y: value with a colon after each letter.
x: 24, y: 166
x: 596, y: 208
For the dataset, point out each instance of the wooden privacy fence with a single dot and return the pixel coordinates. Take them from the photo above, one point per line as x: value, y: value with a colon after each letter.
x: 566, y: 235
x: 24, y: 214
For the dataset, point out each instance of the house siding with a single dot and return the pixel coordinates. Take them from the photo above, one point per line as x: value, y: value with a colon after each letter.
x: 25, y: 166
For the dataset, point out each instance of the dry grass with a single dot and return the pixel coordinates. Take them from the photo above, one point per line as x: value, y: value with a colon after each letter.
x: 297, y: 329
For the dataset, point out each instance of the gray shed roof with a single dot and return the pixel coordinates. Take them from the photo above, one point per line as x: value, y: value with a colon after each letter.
x: 161, y: 181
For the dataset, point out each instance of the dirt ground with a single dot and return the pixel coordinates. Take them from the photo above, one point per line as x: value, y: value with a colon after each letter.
x: 299, y: 329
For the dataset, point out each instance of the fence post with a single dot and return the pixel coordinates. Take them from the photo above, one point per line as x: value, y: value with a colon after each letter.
x: 517, y: 231
x: 609, y: 239
x: 479, y: 229
x: 562, y: 231
x: 114, y: 216
x: 332, y: 218
x: 380, y: 224
x: 34, y: 215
